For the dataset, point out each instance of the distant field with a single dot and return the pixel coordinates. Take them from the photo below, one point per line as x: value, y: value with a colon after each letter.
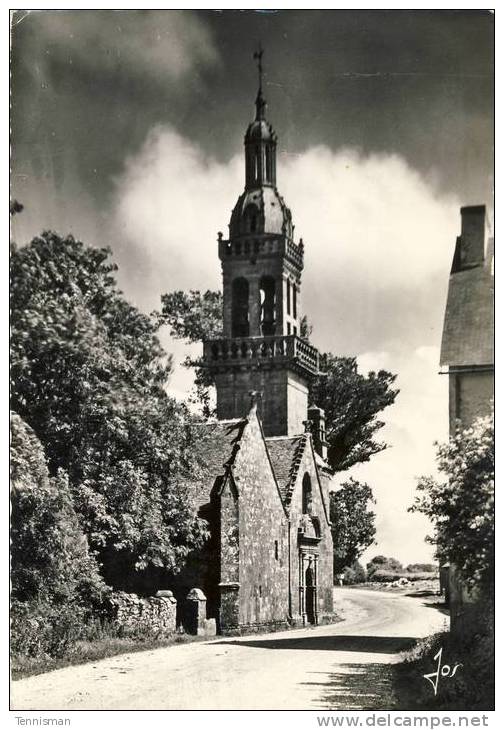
x: 430, y: 585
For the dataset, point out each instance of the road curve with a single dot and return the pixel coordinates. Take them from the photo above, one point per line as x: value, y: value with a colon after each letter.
x: 328, y: 667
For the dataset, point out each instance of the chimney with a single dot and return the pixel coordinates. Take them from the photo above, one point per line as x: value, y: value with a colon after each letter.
x: 471, y: 242
x: 317, y: 417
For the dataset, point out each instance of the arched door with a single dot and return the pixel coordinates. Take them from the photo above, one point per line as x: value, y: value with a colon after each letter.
x: 310, y: 595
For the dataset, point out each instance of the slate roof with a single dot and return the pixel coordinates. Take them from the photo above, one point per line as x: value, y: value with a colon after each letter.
x: 215, y: 444
x: 285, y: 454
x: 468, y: 331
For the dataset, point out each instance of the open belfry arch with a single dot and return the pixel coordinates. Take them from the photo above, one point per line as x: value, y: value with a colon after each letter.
x: 264, y: 480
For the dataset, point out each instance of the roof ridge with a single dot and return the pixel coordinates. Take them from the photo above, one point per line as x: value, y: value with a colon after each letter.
x: 296, y: 461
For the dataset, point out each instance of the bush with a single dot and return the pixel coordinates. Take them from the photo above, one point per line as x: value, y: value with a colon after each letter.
x: 381, y: 563
x: 389, y: 576
x: 471, y: 688
x: 354, y: 574
x: 51, y: 562
x: 461, y: 507
x: 422, y: 568
x: 386, y: 576
x: 41, y: 629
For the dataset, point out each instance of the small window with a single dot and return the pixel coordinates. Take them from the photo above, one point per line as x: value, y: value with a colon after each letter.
x: 294, y: 301
x: 276, y: 549
x: 288, y: 296
x: 288, y: 328
x: 307, y: 495
x: 268, y: 164
x: 294, y: 330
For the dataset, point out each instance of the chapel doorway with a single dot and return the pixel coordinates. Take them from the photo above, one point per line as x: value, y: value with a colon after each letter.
x: 310, y: 593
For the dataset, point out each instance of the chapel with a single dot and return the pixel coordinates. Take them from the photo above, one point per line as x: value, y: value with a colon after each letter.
x: 263, y: 480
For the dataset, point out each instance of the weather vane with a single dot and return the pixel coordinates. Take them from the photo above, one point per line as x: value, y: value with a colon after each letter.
x: 258, y: 57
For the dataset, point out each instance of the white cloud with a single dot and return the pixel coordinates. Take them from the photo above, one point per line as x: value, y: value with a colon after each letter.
x: 378, y: 243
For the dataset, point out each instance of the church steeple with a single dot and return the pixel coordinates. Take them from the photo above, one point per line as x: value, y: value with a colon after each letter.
x: 260, y: 142
x: 261, y: 266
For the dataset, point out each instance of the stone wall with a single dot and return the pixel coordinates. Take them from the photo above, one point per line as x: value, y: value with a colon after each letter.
x: 131, y: 613
x: 324, y: 549
x: 284, y: 403
x: 470, y: 397
x: 262, y: 595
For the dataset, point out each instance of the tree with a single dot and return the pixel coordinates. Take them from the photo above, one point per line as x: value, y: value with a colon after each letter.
x: 351, y: 401
x: 353, y: 525
x: 381, y: 563
x: 461, y: 507
x: 88, y: 375
x: 354, y: 574
x: 193, y: 316
x: 51, y: 560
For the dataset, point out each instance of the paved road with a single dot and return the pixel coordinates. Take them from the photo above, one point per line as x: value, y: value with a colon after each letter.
x: 327, y: 667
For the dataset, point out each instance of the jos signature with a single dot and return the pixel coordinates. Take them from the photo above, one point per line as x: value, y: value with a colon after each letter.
x: 445, y: 671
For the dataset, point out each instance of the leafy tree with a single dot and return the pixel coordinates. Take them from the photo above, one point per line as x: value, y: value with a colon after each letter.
x: 193, y: 316
x: 462, y: 506
x: 351, y: 401
x: 354, y: 574
x: 353, y: 525
x: 380, y: 562
x: 88, y: 375
x: 51, y: 561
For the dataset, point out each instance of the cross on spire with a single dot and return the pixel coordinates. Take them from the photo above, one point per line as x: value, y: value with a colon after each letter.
x: 260, y: 102
x: 258, y: 57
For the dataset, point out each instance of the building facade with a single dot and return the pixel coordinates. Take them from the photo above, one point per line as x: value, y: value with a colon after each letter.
x: 263, y: 479
x: 467, y: 357
x: 467, y: 349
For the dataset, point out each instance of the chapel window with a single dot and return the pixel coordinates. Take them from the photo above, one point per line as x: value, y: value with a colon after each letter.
x: 307, y: 495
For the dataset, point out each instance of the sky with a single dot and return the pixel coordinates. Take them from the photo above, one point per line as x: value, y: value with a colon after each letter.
x: 127, y: 131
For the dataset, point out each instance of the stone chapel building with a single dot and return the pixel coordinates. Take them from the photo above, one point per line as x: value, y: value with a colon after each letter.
x: 263, y: 482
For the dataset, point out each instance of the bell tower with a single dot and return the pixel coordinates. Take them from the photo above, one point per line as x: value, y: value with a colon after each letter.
x: 261, y: 349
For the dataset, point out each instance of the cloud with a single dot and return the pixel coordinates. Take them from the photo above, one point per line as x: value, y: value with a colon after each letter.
x: 378, y: 246
x: 146, y: 44
x: 170, y: 203
x: 378, y: 239
x: 417, y: 419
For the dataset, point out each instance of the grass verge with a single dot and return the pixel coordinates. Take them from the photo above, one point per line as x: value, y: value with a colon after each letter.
x: 471, y: 687
x: 83, y: 652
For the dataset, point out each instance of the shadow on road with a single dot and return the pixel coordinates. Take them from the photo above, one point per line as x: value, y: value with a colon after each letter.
x: 373, y: 644
x: 357, y: 687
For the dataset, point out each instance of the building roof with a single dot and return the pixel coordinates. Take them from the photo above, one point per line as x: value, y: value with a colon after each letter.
x: 468, y: 332
x: 215, y: 445
x: 285, y: 454
x: 274, y: 216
